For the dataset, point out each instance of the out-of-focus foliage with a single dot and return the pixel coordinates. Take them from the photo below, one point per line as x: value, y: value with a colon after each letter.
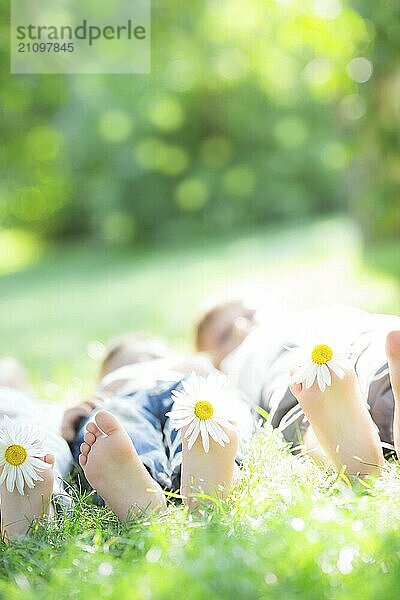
x: 375, y: 193
x: 255, y: 111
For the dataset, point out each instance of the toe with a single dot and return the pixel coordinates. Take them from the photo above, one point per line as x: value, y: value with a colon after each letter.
x: 85, y: 449
x: 89, y: 438
x: 82, y: 460
x: 107, y: 422
x: 49, y: 459
x: 296, y: 389
x: 393, y: 345
x: 92, y: 428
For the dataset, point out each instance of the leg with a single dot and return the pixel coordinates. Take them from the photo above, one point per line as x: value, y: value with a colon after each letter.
x: 113, y: 467
x: 393, y: 354
x: 342, y: 424
x: 18, y: 512
x: 214, y: 473
x: 211, y: 473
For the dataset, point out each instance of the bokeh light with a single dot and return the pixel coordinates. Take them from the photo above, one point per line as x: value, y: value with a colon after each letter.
x: 166, y: 113
x: 18, y: 249
x: 181, y: 75
x: 154, y: 154
x: 43, y: 143
x: 353, y: 107
x: 191, y: 194
x: 360, y: 69
x: 115, y: 125
x: 239, y: 181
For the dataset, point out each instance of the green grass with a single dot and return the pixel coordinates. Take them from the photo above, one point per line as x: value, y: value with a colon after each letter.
x: 290, y: 530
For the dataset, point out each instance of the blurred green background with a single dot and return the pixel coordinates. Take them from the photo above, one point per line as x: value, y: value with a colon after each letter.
x: 255, y: 112
x: 258, y: 118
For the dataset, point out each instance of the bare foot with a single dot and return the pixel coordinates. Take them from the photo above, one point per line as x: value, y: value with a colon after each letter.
x: 342, y: 424
x: 114, y: 469
x: 393, y: 355
x: 18, y: 512
x: 212, y: 473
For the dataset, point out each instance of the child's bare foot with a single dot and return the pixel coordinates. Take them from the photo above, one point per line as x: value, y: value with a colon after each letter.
x: 18, y: 512
x: 393, y: 355
x: 114, y: 469
x: 342, y: 424
x: 212, y: 473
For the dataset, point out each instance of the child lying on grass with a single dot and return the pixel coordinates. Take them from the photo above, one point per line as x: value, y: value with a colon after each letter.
x: 129, y: 450
x: 348, y: 423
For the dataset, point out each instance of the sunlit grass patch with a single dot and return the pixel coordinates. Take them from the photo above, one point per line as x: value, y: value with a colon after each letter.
x: 289, y: 530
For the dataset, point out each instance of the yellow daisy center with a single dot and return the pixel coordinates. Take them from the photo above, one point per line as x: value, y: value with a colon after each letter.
x: 15, y: 455
x: 322, y: 354
x: 203, y: 410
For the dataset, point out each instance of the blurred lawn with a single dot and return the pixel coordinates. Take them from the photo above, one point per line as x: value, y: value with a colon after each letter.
x: 385, y: 258
x: 52, y: 310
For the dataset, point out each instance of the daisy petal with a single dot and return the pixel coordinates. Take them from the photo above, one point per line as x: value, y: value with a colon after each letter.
x: 344, y: 364
x: 178, y: 424
x: 11, y: 475
x: 3, y: 474
x: 39, y: 464
x: 191, y: 427
x: 20, y: 482
x: 213, y: 430
x: 194, y: 435
x: 336, y: 369
x: 29, y: 471
x: 225, y: 423
x: 321, y: 381
x: 299, y: 375
x: 326, y: 375
x: 29, y: 482
x: 311, y: 375
x: 218, y: 434
x: 204, y: 436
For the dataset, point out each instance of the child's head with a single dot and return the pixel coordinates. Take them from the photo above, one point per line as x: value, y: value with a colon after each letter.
x: 132, y: 348
x: 223, y: 328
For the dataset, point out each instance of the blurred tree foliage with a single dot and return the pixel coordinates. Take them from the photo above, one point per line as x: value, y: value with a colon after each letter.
x: 376, y: 195
x: 255, y: 111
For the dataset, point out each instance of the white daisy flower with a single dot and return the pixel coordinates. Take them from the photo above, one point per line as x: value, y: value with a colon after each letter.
x: 204, y: 405
x: 317, y: 362
x: 20, y: 454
